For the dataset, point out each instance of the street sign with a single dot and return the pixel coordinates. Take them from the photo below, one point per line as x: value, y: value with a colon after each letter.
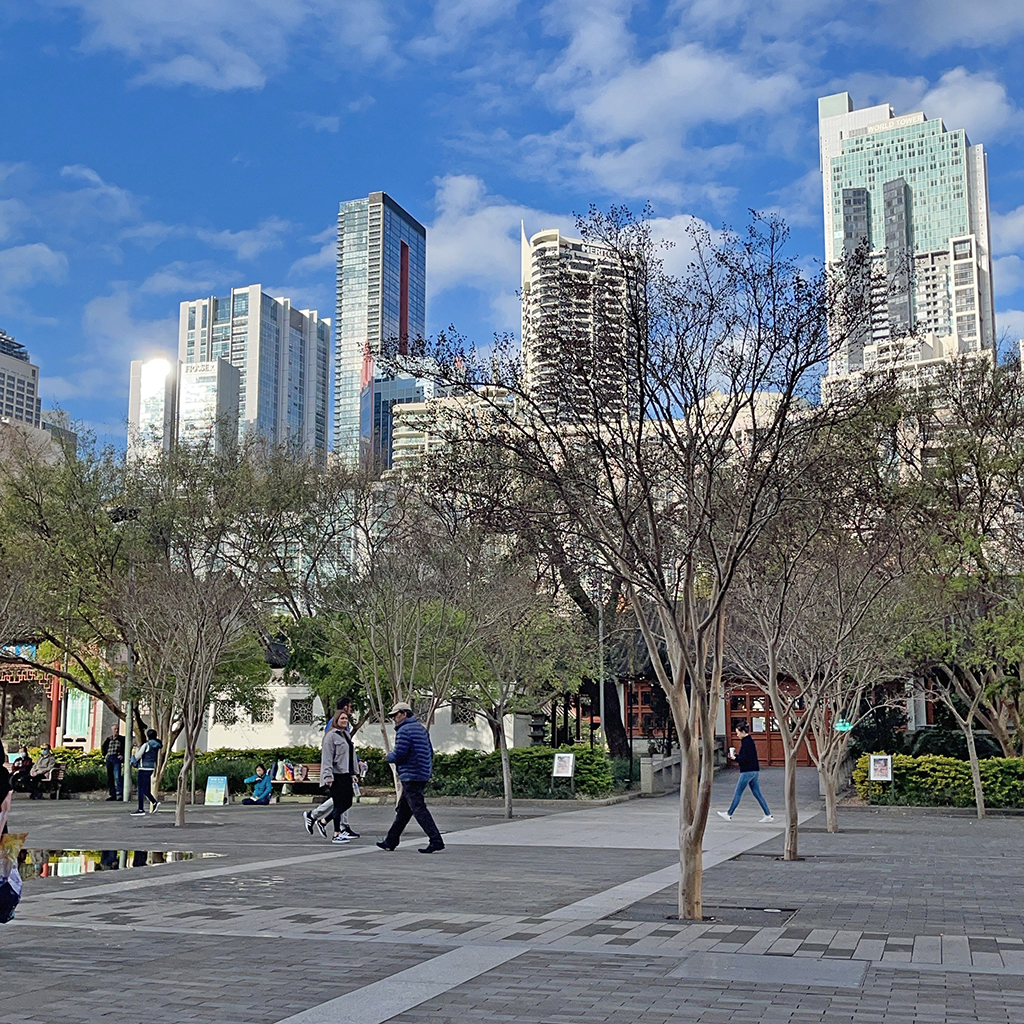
x: 216, y: 790
x: 880, y: 767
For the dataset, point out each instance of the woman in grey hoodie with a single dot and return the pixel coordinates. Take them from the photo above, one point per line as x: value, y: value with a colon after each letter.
x: 337, y: 765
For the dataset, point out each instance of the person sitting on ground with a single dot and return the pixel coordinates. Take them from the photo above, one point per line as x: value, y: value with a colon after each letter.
x: 40, y: 771
x: 21, y: 771
x: 262, y: 789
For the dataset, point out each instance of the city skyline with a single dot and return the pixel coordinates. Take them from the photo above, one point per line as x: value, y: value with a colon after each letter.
x: 161, y: 183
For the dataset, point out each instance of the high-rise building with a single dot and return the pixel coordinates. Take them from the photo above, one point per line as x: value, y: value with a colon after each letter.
x: 152, y: 407
x: 382, y: 273
x: 19, y: 384
x: 914, y: 195
x: 282, y: 355
x: 208, y: 404
x: 572, y: 325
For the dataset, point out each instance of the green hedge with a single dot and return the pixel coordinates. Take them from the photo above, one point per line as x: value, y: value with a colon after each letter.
x: 463, y: 773
x: 934, y: 781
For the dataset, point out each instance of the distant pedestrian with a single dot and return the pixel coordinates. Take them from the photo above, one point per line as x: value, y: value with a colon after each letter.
x: 6, y: 791
x: 262, y: 788
x: 750, y: 774
x: 113, y: 756
x: 319, y: 815
x: 337, y: 766
x: 21, y: 771
x: 144, y: 759
x: 40, y: 772
x: 413, y: 756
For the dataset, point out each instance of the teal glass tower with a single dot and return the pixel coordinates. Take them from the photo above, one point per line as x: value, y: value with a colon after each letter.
x: 916, y: 194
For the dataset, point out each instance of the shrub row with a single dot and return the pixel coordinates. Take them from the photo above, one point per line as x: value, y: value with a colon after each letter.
x: 463, y: 773
x: 934, y: 781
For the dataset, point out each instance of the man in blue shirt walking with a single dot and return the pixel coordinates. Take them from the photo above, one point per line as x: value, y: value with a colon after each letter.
x: 413, y: 756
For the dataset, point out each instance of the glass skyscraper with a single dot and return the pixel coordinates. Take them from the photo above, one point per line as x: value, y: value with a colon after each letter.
x: 916, y: 196
x: 282, y: 355
x: 382, y: 274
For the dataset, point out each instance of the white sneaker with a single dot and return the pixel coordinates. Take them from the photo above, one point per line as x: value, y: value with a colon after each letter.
x: 767, y: 817
x: 341, y: 839
x: 725, y: 815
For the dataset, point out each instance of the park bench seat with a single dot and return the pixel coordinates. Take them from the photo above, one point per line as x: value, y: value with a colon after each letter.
x: 313, y: 779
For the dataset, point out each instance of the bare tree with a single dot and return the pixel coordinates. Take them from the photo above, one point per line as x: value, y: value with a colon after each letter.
x: 665, y: 436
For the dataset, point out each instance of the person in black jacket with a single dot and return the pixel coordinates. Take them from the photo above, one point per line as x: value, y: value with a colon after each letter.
x: 113, y: 757
x: 750, y: 774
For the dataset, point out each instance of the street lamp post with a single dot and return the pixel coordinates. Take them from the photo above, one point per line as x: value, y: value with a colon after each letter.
x: 600, y: 654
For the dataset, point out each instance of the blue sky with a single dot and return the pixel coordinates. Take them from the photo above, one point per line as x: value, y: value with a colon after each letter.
x: 156, y: 150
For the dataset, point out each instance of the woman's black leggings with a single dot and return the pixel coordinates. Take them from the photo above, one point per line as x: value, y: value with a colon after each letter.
x: 341, y: 794
x: 144, y: 779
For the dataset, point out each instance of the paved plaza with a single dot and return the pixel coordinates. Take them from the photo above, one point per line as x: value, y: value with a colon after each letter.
x: 560, y: 916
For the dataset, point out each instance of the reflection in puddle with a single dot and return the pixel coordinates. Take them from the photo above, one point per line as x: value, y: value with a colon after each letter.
x: 66, y: 863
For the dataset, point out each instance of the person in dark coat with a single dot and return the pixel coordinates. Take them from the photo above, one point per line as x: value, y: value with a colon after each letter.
x: 750, y: 774
x: 413, y: 756
x: 113, y: 757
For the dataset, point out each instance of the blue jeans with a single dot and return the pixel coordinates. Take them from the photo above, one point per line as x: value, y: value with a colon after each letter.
x: 748, y: 779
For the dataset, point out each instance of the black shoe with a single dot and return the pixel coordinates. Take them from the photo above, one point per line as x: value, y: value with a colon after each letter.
x: 384, y: 846
x: 348, y: 832
x: 432, y: 848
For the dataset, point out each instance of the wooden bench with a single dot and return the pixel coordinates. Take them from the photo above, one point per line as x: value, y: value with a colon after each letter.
x: 312, y: 779
x: 52, y: 780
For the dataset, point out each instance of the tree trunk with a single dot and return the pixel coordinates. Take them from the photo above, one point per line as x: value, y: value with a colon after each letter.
x: 972, y: 753
x: 829, y: 772
x: 506, y: 768
x: 792, y: 811
x: 691, y: 838
x: 183, y: 777
x: 614, y: 730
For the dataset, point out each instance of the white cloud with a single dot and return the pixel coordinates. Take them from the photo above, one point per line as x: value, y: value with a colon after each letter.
x: 184, y: 280
x: 115, y: 335
x: 631, y: 118
x: 13, y: 212
x: 475, y: 242
x: 1010, y: 329
x: 1007, y: 230
x: 226, y: 44
x: 322, y: 259
x: 249, y: 243
x: 1008, y: 274
x: 319, y: 122
x: 96, y: 200
x: 976, y: 102
x: 23, y: 266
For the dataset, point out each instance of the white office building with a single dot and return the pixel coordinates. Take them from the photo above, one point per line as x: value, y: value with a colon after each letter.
x: 152, y: 407
x: 208, y: 404
x: 915, y: 195
x: 19, y: 384
x: 282, y: 355
x: 572, y: 325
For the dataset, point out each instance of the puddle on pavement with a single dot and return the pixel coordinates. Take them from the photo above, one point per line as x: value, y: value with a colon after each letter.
x: 34, y: 863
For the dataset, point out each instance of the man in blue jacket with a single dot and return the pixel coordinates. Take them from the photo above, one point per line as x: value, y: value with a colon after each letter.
x: 413, y: 756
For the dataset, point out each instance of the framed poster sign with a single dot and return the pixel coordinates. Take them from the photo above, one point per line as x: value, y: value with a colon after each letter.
x: 880, y: 767
x: 564, y: 766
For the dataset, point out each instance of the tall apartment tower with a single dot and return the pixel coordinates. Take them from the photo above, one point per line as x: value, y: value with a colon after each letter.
x: 282, y: 355
x: 19, y: 384
x: 382, y: 276
x: 918, y: 195
x: 152, y: 407
x: 572, y: 324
